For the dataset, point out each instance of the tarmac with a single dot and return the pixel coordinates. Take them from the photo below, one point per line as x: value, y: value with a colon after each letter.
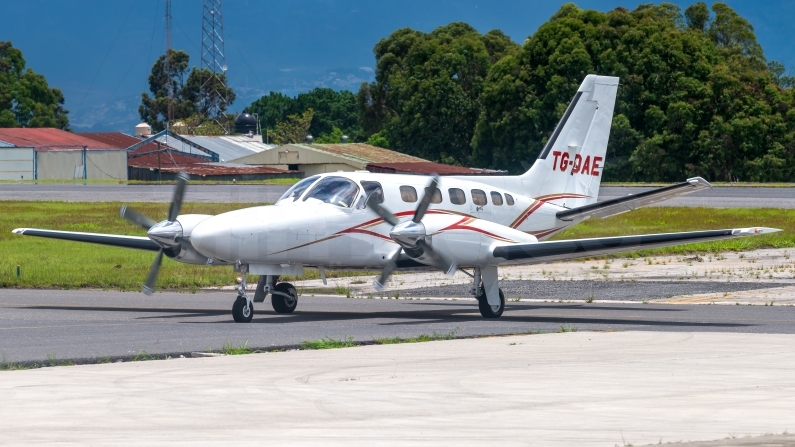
x: 566, y: 389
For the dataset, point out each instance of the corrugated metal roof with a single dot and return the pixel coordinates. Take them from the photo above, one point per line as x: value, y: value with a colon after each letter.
x: 123, y: 140
x: 362, y: 153
x: 427, y: 168
x: 50, y: 139
x: 5, y: 144
x: 209, y: 169
x: 228, y: 148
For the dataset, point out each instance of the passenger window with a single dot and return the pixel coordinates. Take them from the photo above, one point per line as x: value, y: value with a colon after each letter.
x: 479, y: 197
x: 371, y: 188
x: 457, y: 196
x: 437, y: 195
x: 408, y: 194
x: 496, y: 198
x: 509, y: 199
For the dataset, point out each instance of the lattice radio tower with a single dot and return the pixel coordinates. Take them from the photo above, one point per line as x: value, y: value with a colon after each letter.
x: 213, y: 58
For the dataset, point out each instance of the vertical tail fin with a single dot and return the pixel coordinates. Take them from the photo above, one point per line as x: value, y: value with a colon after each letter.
x: 569, y: 169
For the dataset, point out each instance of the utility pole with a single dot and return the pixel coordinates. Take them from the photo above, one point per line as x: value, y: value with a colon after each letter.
x: 214, y: 60
x: 170, y: 112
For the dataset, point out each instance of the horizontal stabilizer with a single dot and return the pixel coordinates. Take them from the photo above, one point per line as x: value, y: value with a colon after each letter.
x: 579, y: 248
x: 631, y: 202
x: 114, y: 240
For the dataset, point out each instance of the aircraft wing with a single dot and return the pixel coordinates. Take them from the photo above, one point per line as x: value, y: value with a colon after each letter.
x: 114, y: 240
x: 579, y: 248
x: 631, y: 202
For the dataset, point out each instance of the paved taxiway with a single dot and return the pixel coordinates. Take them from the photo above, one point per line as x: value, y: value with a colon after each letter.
x: 718, y: 197
x: 79, y: 324
x: 572, y: 389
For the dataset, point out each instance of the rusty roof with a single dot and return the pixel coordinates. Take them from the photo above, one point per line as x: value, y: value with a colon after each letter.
x: 427, y: 167
x: 205, y: 169
x: 361, y: 152
x: 51, y: 139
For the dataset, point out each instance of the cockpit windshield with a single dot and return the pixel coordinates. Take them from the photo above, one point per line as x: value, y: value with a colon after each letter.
x: 295, y: 192
x: 338, y: 191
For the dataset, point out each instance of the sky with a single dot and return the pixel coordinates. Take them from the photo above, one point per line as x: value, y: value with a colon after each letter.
x: 100, y: 52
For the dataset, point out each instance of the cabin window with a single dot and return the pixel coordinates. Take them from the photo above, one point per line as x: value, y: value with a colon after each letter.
x: 496, y: 198
x: 295, y: 192
x: 509, y: 199
x: 479, y: 197
x: 437, y: 195
x: 338, y: 191
x: 457, y: 196
x: 373, y: 188
x: 408, y: 194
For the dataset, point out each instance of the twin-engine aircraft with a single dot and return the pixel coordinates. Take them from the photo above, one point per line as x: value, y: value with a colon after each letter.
x: 361, y: 220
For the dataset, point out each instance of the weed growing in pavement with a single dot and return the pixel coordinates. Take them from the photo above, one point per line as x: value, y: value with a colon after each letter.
x: 143, y: 356
x: 590, y: 298
x: 418, y: 339
x: 567, y: 328
x: 230, y: 349
x: 328, y: 343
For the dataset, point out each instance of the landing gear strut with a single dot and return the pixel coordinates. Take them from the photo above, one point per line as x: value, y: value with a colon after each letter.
x: 495, y: 308
x: 243, y: 309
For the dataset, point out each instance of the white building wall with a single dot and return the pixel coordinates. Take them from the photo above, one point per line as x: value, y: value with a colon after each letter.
x: 101, y: 165
x: 16, y: 163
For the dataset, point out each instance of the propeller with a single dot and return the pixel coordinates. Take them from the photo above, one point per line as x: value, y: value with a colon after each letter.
x: 411, y: 236
x: 167, y: 234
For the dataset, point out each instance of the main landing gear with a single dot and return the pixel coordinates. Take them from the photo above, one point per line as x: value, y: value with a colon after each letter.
x: 284, y: 296
x: 485, y: 280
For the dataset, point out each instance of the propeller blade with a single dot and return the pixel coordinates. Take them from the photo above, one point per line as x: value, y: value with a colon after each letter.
x: 179, y: 194
x: 422, y: 208
x: 387, y: 271
x: 439, y: 261
x: 382, y: 212
x: 149, y: 285
x: 136, y: 217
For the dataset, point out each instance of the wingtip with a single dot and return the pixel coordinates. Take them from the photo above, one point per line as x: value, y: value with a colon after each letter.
x: 755, y: 231
x: 19, y: 230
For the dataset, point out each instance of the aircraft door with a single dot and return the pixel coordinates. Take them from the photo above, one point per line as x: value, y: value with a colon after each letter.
x: 479, y: 206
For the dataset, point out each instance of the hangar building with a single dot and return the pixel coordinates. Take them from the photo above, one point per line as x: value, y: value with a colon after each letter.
x: 48, y: 153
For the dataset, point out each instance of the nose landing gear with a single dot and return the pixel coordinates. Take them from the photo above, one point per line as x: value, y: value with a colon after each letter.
x: 284, y: 296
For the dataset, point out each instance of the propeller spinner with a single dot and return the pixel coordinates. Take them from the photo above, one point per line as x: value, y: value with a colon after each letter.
x: 167, y: 234
x: 411, y: 236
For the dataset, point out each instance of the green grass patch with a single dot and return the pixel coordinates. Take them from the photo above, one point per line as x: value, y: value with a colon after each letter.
x: 230, y: 349
x: 49, y: 263
x: 329, y: 343
x: 567, y: 328
x: 418, y: 339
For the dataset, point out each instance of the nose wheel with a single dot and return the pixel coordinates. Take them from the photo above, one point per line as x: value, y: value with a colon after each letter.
x: 242, y: 310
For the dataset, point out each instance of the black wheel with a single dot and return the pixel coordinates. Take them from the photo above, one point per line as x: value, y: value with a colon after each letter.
x: 241, y: 311
x: 487, y: 310
x: 282, y: 304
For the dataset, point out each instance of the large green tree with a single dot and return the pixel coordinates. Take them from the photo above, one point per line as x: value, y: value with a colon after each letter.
x: 332, y: 109
x: 426, y: 97
x: 189, y: 92
x: 696, y: 94
x: 25, y: 98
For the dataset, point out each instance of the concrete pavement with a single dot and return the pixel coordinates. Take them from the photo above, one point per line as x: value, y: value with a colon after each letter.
x: 583, y: 389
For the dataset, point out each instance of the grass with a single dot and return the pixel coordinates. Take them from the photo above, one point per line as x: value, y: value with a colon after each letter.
x: 230, y: 349
x: 567, y: 328
x: 48, y: 263
x: 329, y: 343
x: 418, y: 339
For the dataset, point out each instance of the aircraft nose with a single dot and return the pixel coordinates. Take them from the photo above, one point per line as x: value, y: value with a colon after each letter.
x: 212, y: 238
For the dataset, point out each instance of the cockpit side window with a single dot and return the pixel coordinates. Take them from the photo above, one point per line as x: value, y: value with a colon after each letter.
x: 295, y: 192
x: 371, y: 188
x: 338, y: 191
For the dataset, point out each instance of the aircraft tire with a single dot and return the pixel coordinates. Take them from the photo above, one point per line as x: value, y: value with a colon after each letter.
x: 239, y: 311
x: 281, y: 304
x: 486, y: 310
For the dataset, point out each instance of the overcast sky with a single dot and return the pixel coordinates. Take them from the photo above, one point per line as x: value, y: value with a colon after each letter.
x: 100, y: 52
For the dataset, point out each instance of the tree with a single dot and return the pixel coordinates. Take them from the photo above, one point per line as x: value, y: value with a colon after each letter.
x: 189, y: 92
x: 292, y: 130
x: 426, y: 97
x: 696, y: 97
x: 25, y: 98
x: 331, y: 109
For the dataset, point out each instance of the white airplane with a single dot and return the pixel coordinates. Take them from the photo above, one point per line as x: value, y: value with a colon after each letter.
x: 476, y: 223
